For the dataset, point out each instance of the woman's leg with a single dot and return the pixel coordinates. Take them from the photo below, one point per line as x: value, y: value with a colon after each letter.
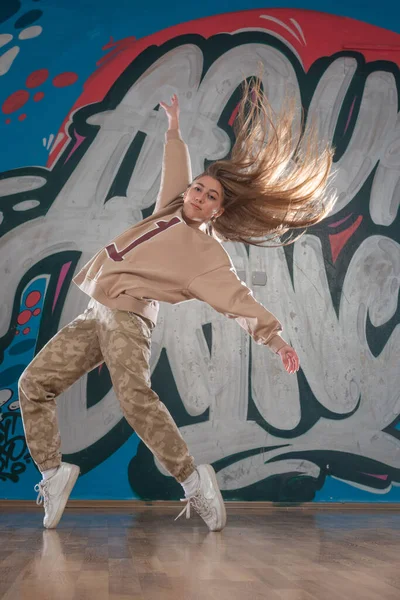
x: 71, y: 353
x: 125, y: 343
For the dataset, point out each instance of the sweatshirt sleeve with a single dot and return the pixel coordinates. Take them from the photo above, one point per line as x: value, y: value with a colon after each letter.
x: 176, y: 172
x: 222, y: 289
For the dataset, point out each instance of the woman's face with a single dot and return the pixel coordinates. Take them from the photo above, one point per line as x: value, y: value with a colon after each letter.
x: 203, y: 200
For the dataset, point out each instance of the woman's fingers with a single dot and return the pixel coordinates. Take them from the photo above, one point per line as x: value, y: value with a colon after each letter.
x: 289, y: 358
x: 291, y: 361
x: 174, y: 102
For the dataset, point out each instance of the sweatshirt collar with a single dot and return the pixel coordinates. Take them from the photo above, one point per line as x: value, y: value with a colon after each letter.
x: 201, y: 228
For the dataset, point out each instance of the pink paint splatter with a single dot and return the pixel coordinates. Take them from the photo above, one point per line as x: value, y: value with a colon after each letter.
x: 79, y: 140
x: 337, y: 223
x: 62, y: 276
x: 350, y: 113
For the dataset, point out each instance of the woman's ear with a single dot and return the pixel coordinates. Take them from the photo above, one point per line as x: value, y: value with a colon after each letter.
x: 186, y: 191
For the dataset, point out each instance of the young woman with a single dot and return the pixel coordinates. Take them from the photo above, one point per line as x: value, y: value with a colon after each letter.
x: 262, y: 191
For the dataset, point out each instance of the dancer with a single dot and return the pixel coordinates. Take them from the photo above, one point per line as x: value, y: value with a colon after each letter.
x: 262, y: 192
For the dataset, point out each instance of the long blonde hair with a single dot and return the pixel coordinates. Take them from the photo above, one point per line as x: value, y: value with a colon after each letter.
x: 271, y: 185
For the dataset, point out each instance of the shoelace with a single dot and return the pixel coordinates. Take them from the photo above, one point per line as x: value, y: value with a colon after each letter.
x: 198, y: 502
x: 42, y: 496
x: 186, y: 508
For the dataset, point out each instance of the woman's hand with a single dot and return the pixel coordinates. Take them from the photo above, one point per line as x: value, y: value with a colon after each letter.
x: 289, y: 358
x: 172, y: 112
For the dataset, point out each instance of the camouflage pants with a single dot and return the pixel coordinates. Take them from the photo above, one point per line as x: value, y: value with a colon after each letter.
x: 121, y: 340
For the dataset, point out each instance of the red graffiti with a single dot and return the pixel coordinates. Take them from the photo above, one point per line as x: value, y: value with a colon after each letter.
x: 312, y: 34
x: 64, y: 79
x: 24, y: 317
x: 32, y: 299
x: 37, y: 78
x: 339, y: 240
x: 38, y: 96
x: 15, y: 101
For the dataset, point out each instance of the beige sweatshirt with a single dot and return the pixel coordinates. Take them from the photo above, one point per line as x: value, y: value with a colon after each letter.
x: 162, y: 259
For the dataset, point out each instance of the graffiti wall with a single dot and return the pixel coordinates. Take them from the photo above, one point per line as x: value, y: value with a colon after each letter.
x: 330, y: 434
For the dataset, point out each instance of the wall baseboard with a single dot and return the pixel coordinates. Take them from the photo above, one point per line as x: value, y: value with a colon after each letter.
x: 136, y: 505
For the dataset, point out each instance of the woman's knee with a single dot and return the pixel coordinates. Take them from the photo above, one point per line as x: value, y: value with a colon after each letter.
x: 25, y: 380
x: 31, y: 383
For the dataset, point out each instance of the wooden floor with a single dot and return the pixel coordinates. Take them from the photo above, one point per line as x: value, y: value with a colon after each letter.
x: 144, y: 555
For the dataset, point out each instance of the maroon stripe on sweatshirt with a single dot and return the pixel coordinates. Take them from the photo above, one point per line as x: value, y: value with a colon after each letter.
x: 118, y: 255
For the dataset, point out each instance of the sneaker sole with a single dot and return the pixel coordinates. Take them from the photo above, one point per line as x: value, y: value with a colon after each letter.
x: 213, y: 476
x: 73, y: 476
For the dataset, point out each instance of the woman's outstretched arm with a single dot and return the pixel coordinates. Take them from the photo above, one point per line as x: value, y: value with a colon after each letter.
x: 176, y: 173
x: 222, y: 289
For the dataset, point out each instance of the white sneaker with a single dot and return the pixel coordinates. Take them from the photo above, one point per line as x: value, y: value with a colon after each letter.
x: 207, y: 501
x: 54, y: 493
